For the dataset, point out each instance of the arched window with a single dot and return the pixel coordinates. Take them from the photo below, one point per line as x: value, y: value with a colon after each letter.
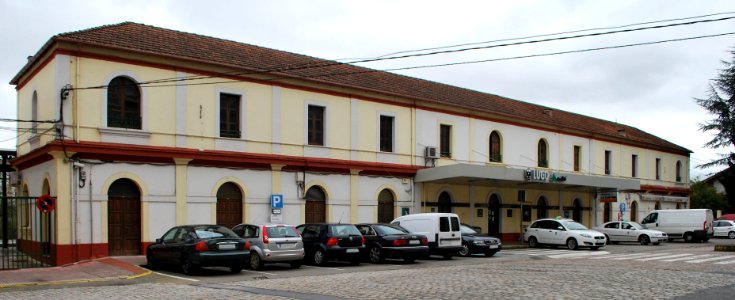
x: 445, y: 203
x: 543, y: 155
x: 634, y: 211
x: 229, y: 205
x: 577, y: 210
x: 34, y: 112
x: 386, y: 202
x: 316, y: 205
x: 542, y: 208
x: 495, y: 146
x: 123, y: 103
x: 678, y: 171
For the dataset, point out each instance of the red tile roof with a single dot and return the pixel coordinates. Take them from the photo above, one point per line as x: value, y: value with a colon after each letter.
x: 156, y: 41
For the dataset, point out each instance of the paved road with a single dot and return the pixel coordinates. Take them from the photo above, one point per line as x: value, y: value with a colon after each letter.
x: 671, y: 270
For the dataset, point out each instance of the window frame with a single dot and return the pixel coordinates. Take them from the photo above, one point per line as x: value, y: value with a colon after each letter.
x: 608, y: 162
x: 577, y: 158
x: 386, y: 135
x: 445, y: 140
x: 658, y: 168
x: 123, y: 114
x: 542, y: 158
x: 678, y: 171
x: 232, y: 129
x: 634, y: 165
x: 316, y: 125
x: 495, y: 155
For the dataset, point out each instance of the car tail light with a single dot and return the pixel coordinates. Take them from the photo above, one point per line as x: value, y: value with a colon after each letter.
x: 398, y: 243
x: 265, y: 235
x: 424, y: 241
x: 246, y: 245
x: 704, y: 226
x: 201, y: 246
x: 363, y: 240
x: 332, y: 242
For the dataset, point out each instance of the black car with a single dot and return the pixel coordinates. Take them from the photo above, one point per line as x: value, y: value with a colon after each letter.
x: 196, y: 246
x: 474, y: 242
x: 324, y: 242
x: 392, y: 241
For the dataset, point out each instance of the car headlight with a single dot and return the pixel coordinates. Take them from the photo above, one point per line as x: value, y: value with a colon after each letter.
x: 478, y: 242
x: 587, y: 235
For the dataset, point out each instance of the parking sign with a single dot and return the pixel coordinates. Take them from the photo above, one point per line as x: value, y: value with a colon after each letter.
x: 276, y: 201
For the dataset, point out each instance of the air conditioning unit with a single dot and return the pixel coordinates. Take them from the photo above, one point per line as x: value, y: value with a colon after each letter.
x: 431, y: 152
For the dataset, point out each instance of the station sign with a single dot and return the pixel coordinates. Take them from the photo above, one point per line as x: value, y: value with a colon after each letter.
x: 537, y: 175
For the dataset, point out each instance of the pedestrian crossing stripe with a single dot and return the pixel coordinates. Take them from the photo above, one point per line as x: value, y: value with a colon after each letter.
x: 665, y: 257
x: 642, y: 256
x: 710, y: 259
x: 688, y: 258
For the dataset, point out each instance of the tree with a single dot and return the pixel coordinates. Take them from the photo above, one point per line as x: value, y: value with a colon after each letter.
x: 705, y: 196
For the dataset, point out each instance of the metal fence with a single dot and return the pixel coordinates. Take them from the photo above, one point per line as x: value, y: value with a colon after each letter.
x: 27, y: 235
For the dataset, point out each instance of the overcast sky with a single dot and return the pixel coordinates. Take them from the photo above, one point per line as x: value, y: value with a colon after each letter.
x: 649, y: 87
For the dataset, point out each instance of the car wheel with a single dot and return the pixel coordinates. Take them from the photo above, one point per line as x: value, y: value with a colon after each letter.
x: 319, y: 258
x: 376, y: 255
x: 255, y: 262
x: 465, y: 251
x: 532, y: 242
x: 151, y: 263
x: 644, y: 240
x: 731, y: 235
x: 572, y: 244
x: 234, y: 269
x: 490, y: 253
x: 607, y: 239
x: 409, y: 259
x: 188, y: 267
x: 447, y: 256
x: 295, y: 264
x: 688, y: 237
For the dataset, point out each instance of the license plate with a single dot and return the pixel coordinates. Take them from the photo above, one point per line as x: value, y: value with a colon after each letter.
x: 353, y: 250
x: 414, y: 242
x: 493, y: 246
x: 227, y: 246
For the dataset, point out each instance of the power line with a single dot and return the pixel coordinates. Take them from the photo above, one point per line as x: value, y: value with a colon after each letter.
x: 28, y: 121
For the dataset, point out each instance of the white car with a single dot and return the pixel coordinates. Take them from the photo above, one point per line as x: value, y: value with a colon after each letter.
x: 724, y: 228
x: 562, y: 232
x: 623, y: 231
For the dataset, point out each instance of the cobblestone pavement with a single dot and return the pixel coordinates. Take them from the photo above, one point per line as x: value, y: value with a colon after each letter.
x: 505, y: 277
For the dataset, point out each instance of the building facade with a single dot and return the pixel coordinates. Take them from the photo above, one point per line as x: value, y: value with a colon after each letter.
x: 150, y: 128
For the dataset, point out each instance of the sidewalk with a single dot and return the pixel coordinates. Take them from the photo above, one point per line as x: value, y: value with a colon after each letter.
x: 107, y: 268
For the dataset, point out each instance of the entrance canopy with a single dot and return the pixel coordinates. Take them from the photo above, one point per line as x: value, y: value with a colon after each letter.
x: 531, y: 178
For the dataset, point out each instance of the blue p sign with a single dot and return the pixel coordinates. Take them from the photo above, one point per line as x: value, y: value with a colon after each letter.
x: 276, y: 201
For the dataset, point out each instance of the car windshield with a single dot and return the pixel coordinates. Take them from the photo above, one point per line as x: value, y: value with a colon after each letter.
x: 635, y: 225
x: 213, y: 231
x: 282, y: 232
x: 574, y: 226
x: 467, y: 229
x: 389, y: 230
x: 344, y: 230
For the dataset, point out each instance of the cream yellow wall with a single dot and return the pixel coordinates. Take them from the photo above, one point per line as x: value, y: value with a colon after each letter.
x: 368, y: 124
x: 48, y: 107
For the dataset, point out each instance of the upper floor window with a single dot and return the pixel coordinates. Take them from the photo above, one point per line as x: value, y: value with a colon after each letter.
x: 34, y: 112
x: 386, y: 133
x: 658, y: 169
x: 316, y: 125
x: 445, y: 140
x: 577, y: 158
x: 229, y: 115
x: 495, y: 146
x: 543, y: 155
x: 608, y: 162
x: 634, y: 166
x: 123, y: 103
x: 678, y: 171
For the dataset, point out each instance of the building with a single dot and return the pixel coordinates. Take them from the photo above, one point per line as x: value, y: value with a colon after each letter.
x: 157, y: 127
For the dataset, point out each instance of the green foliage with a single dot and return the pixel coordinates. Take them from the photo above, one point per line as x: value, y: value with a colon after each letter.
x: 720, y: 103
x: 705, y: 196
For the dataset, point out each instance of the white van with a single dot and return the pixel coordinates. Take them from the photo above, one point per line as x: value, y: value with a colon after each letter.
x: 689, y: 224
x: 442, y: 230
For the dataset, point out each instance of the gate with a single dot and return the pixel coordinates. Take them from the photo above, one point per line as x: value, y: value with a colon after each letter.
x: 27, y: 234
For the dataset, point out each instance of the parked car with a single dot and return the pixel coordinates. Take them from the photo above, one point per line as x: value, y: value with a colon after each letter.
x: 623, y: 231
x: 392, y: 241
x: 272, y: 243
x: 725, y: 228
x: 562, y: 232
x: 325, y: 242
x: 730, y: 217
x: 195, y: 246
x: 475, y: 242
x: 442, y: 230
x: 690, y: 224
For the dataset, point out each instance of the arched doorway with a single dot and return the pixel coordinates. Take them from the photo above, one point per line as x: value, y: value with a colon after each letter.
x: 634, y: 211
x: 493, y: 215
x: 316, y: 205
x: 386, y: 202
x: 229, y: 205
x: 607, y: 212
x: 123, y: 218
x: 577, y: 210
x: 445, y: 203
x: 542, y: 208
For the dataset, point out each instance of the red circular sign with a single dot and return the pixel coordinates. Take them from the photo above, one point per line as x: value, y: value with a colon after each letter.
x: 45, y: 203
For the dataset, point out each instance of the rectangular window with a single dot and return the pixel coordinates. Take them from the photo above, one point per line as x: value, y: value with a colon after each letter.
x: 316, y: 125
x: 229, y: 115
x: 608, y: 162
x: 658, y: 169
x: 445, y: 140
x: 634, y: 166
x: 386, y: 134
x: 577, y: 158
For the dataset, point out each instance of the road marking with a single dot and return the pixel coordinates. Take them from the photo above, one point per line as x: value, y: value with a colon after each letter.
x: 324, y: 268
x: 614, y: 255
x: 709, y: 259
x: 639, y: 255
x: 579, y: 254
x: 177, y: 277
x: 725, y: 262
x: 664, y: 257
x: 687, y: 258
x: 251, y: 271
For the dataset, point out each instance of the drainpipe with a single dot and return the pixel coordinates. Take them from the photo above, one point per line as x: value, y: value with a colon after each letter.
x: 91, y: 215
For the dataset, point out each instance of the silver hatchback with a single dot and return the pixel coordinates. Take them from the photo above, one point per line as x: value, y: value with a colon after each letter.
x: 272, y: 243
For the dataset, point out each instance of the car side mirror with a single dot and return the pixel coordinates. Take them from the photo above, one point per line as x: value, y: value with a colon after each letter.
x: 158, y: 241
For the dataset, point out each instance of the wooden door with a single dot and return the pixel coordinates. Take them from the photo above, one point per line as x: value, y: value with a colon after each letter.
x: 315, y: 211
x: 229, y: 212
x: 123, y: 229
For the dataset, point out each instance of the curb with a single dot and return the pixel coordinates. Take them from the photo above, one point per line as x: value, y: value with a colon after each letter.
x: 725, y: 248
x: 26, y: 284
